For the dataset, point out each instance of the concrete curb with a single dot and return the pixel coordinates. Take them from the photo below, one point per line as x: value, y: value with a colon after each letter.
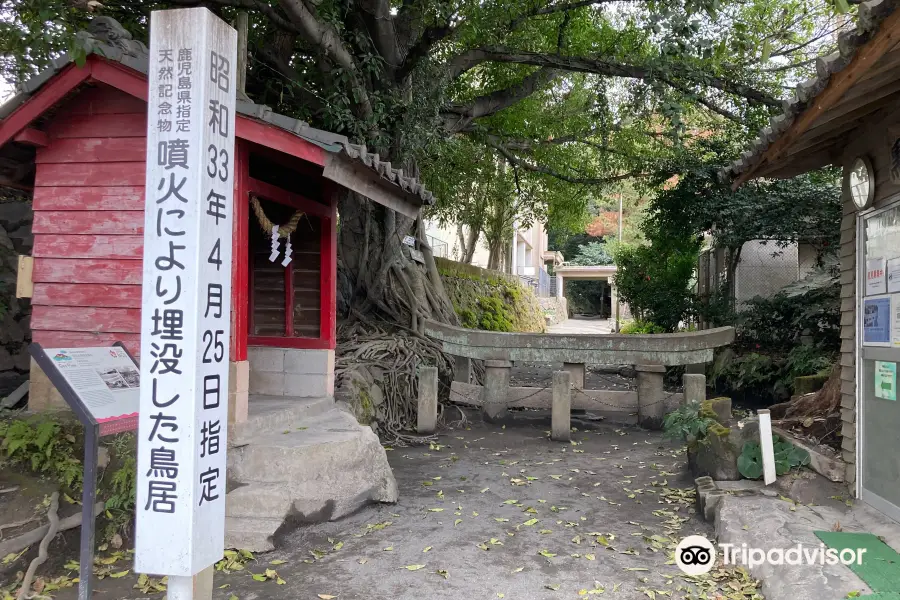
x: 759, y: 518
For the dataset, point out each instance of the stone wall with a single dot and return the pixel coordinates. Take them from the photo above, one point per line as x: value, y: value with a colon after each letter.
x: 491, y: 300
x: 555, y: 309
x: 15, y: 313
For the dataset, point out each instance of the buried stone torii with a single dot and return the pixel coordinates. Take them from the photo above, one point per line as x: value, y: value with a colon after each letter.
x: 649, y: 354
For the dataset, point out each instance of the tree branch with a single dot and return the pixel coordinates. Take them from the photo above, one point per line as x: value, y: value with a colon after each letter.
x: 327, y: 40
x: 515, y: 161
x: 420, y: 49
x: 602, y: 66
x: 557, y: 8
x: 380, y: 22
x: 460, y: 116
x: 257, y: 5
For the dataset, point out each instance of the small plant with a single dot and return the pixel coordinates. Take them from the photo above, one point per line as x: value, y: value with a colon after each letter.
x: 787, y: 457
x: 641, y: 327
x: 44, y: 446
x: 686, y: 424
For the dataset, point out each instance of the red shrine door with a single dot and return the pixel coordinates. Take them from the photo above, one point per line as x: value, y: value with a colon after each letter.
x: 290, y: 306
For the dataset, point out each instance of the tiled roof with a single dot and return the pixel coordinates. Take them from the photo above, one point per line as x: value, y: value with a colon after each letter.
x: 870, y: 16
x: 107, y: 38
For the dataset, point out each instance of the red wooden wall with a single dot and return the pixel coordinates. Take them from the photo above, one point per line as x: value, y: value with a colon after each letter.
x: 89, y: 221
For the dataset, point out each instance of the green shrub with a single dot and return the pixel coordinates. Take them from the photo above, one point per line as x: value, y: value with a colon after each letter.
x: 655, y: 281
x: 771, y: 375
x: 787, y: 457
x: 637, y: 327
x: 779, y: 322
x: 686, y: 424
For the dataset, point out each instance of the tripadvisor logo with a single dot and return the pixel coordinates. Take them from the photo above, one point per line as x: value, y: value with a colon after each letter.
x: 695, y: 555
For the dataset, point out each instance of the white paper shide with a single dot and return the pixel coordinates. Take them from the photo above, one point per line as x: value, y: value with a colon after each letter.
x: 186, y: 310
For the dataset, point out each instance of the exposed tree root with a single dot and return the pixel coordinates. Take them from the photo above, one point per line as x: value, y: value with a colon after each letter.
x: 398, y: 353
x: 41, y: 558
x: 816, y: 416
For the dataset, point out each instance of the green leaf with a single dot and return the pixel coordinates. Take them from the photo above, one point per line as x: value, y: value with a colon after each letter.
x: 766, y: 50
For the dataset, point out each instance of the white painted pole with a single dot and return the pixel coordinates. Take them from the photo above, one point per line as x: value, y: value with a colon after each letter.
x: 621, y: 214
x: 765, y: 442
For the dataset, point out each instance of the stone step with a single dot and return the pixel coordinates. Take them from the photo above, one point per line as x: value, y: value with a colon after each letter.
x: 303, y: 450
x: 250, y: 533
x: 324, y: 468
x: 275, y: 414
x: 313, y: 501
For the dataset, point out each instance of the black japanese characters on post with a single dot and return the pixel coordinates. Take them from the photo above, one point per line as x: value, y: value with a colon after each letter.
x: 174, y: 86
x: 216, y: 211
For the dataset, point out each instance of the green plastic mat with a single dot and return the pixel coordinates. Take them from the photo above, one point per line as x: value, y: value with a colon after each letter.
x: 880, y: 567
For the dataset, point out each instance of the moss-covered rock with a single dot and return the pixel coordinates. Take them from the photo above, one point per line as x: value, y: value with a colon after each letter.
x: 809, y: 384
x: 490, y: 300
x: 717, y: 409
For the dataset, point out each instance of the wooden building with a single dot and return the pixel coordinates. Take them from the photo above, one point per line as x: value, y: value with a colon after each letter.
x: 76, y: 135
x: 846, y: 117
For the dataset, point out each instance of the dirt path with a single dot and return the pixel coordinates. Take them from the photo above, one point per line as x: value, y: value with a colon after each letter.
x: 489, y: 513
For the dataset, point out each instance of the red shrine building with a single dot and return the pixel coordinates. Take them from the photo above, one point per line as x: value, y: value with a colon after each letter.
x: 76, y: 136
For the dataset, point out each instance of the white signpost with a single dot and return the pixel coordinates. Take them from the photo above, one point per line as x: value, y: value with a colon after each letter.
x: 186, y: 310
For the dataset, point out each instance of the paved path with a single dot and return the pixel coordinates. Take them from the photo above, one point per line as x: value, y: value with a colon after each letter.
x: 581, y: 326
x: 489, y: 513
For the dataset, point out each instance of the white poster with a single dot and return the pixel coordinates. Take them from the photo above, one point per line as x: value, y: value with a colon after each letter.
x: 105, y: 379
x: 893, y: 275
x: 186, y: 310
x: 876, y: 280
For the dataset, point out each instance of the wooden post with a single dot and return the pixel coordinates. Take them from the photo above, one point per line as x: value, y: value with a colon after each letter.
x: 242, y: 24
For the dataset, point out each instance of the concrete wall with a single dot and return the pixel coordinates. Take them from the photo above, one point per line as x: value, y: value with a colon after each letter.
x: 555, y: 309
x: 764, y: 269
x: 449, y: 235
x: 291, y: 372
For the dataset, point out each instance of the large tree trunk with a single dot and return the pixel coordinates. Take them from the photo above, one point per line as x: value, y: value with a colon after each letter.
x: 385, y: 283
x: 386, y: 296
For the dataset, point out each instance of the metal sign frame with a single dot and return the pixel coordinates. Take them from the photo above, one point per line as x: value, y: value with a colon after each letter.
x: 92, y: 436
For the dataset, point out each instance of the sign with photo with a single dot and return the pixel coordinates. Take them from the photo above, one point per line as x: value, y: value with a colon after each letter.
x: 877, y: 321
x: 106, y: 379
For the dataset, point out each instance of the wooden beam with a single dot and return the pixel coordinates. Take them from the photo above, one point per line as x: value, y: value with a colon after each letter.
x: 850, y: 109
x: 355, y: 176
x: 279, y: 139
x: 839, y: 84
x: 119, y: 76
x: 45, y: 98
x: 32, y: 137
